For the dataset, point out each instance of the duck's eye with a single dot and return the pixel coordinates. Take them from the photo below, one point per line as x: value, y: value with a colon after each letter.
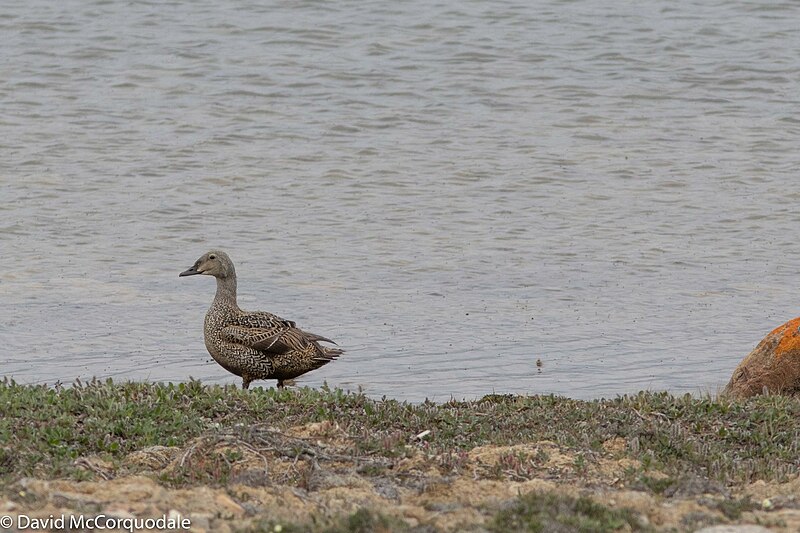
x: 212, y: 256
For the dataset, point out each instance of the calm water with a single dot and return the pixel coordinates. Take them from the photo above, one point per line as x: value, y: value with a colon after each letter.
x: 452, y: 190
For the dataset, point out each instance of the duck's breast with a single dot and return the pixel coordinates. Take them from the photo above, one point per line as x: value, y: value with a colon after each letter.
x: 217, y: 318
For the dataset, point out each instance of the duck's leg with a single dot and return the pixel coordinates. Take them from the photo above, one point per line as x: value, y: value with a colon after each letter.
x: 246, y: 382
x: 280, y: 384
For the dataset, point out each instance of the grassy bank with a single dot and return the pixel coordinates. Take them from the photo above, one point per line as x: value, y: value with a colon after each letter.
x: 210, y: 436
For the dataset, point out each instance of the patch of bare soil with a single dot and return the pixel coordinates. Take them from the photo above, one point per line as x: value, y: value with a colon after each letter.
x: 307, y: 475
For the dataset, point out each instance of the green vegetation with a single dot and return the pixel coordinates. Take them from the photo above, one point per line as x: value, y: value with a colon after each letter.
x: 536, y: 512
x: 43, y: 430
x: 544, y: 512
x: 191, y: 435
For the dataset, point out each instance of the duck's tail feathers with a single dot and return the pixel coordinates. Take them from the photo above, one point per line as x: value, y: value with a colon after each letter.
x: 332, y: 353
x: 325, y: 356
x: 316, y: 338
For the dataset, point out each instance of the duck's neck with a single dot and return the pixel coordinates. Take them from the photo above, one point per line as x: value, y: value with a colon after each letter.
x: 226, y: 290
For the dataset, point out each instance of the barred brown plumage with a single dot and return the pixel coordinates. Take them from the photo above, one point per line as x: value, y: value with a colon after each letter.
x: 254, y: 345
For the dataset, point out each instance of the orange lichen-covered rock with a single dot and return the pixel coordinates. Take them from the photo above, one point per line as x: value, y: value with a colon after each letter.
x: 773, y: 366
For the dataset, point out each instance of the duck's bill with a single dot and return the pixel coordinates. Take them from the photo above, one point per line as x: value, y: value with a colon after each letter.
x: 191, y: 271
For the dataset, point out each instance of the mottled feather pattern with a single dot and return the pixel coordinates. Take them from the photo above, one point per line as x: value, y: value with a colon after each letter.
x: 255, y: 345
x: 261, y: 319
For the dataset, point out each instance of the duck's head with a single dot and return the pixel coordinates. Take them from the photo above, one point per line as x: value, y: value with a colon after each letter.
x: 214, y: 263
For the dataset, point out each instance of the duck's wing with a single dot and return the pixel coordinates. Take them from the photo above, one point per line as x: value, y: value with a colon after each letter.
x: 262, y: 320
x: 270, y: 334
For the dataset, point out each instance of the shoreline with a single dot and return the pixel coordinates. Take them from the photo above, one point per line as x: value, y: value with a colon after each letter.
x: 326, y: 460
x: 295, y: 384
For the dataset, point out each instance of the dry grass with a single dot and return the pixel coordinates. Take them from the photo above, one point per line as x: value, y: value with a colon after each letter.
x: 314, y: 442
